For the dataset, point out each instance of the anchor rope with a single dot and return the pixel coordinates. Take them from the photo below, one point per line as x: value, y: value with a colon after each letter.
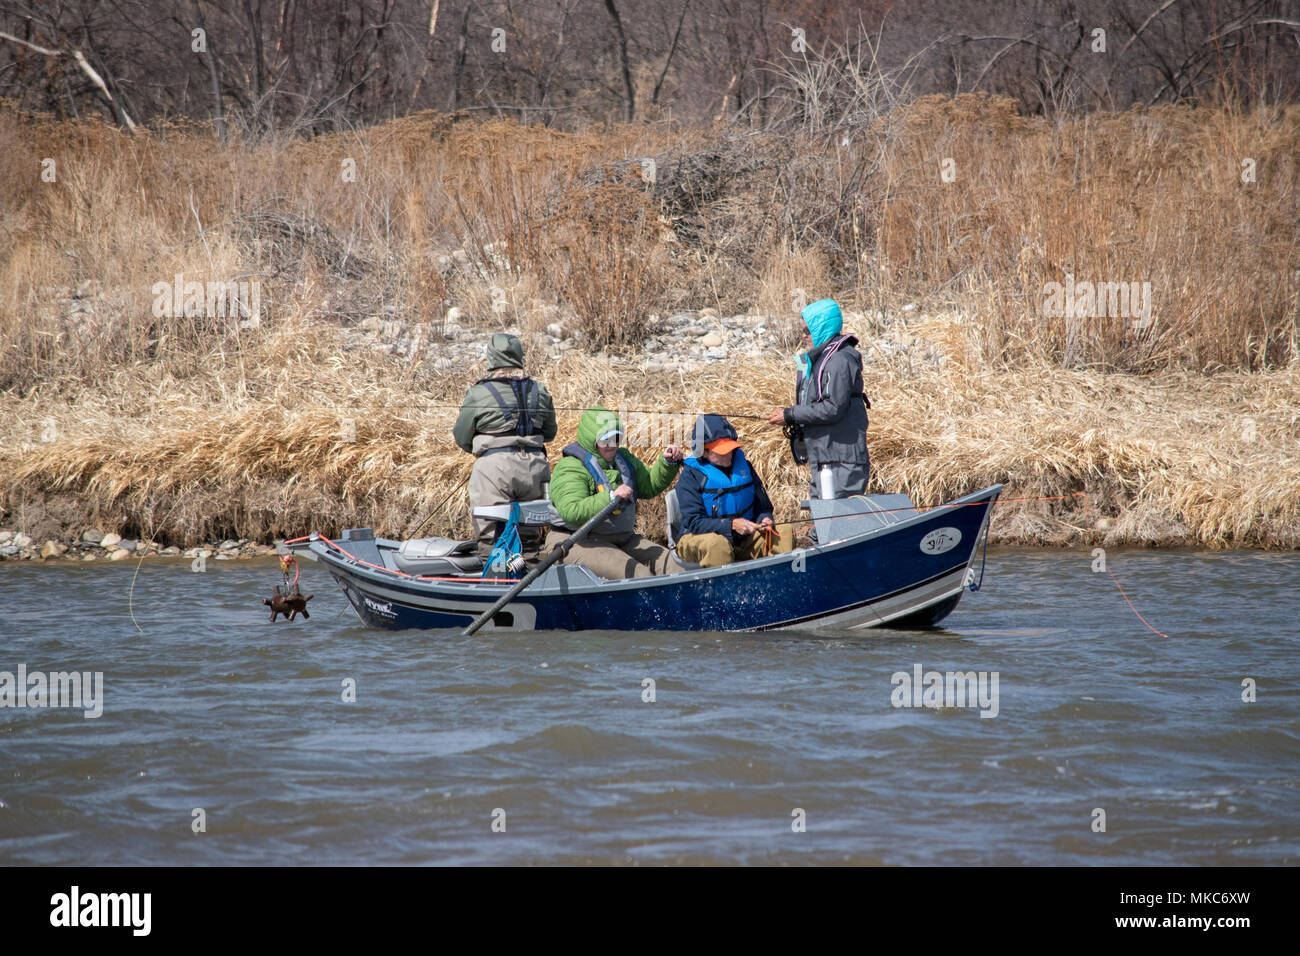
x: 285, y: 561
x: 962, y: 504
x: 988, y: 520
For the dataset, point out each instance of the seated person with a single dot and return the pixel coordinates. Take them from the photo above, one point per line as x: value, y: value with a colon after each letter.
x: 591, y: 471
x: 726, y: 514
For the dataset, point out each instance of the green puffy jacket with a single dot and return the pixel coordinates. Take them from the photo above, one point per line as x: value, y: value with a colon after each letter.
x: 573, y: 488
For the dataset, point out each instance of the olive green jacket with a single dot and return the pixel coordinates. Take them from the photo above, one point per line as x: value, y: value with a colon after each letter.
x: 483, y: 424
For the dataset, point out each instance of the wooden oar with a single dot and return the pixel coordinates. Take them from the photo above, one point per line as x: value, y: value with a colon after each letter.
x: 559, y: 552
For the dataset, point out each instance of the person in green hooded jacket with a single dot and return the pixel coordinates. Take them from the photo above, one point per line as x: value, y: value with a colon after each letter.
x: 595, y: 469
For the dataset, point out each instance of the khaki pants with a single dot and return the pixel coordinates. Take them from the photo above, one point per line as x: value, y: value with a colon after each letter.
x: 715, y: 550
x: 501, y: 478
x: 617, y: 556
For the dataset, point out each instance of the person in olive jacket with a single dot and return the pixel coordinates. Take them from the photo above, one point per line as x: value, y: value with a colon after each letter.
x: 505, y: 422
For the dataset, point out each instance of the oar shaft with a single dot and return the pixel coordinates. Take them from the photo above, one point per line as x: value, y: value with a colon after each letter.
x: 559, y: 552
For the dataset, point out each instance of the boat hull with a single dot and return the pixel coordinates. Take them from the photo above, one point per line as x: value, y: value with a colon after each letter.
x: 908, y: 574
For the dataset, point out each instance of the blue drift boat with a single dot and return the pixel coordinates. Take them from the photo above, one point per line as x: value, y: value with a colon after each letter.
x: 879, y: 561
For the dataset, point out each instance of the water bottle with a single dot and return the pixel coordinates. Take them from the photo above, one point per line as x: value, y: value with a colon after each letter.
x: 827, y: 482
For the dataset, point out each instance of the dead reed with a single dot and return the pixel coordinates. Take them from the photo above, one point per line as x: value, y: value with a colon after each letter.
x: 185, y: 428
x: 330, y: 442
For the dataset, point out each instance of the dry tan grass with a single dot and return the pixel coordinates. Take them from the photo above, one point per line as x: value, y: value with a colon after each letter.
x: 1164, y: 459
x: 1157, y: 196
x: 186, y: 431
x: 1153, y: 195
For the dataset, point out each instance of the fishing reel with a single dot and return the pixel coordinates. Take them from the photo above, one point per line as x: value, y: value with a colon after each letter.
x: 798, y: 444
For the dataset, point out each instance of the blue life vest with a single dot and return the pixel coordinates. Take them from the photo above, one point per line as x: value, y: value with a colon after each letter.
x: 726, y: 496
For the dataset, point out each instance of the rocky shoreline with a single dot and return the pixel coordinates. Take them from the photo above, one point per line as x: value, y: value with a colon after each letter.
x: 682, y: 342
x: 94, y: 545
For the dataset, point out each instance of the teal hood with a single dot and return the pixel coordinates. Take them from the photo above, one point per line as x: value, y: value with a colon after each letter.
x: 824, y: 321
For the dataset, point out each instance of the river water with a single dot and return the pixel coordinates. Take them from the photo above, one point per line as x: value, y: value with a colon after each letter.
x: 755, y: 749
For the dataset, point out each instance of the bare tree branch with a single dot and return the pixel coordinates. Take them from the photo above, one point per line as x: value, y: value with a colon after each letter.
x: 1146, y: 23
x: 629, y: 104
x: 86, y: 68
x: 31, y: 46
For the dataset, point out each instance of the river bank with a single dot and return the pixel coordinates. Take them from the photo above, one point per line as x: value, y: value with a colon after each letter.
x: 94, y: 545
x: 203, y: 341
x: 318, y: 427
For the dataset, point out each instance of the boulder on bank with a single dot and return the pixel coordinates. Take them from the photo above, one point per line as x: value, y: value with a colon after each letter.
x: 52, y: 549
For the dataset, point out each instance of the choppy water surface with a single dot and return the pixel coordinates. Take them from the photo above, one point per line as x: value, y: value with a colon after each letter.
x: 209, y: 706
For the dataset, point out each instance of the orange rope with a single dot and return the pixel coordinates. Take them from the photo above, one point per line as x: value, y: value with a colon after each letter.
x: 875, y: 511
x: 768, y: 532
x: 1130, y: 603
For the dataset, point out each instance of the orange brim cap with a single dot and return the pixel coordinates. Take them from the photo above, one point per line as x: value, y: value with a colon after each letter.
x: 721, y: 446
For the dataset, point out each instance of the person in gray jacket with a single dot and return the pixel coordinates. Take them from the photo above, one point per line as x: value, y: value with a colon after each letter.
x: 505, y: 421
x: 831, y: 406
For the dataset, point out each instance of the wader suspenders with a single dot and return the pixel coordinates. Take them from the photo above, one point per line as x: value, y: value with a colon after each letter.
x: 526, y: 402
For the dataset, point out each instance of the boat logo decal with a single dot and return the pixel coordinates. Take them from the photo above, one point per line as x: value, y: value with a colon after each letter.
x: 382, y: 608
x: 940, y: 540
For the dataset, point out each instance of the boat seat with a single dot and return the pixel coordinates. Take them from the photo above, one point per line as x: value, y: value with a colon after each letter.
x: 674, y: 528
x: 438, y: 557
x: 838, y: 518
x: 532, y: 514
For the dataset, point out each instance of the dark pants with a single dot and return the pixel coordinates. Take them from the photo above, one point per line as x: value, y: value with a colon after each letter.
x: 850, y: 478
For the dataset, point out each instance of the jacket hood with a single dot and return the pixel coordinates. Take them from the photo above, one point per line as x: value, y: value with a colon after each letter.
x: 824, y: 321
x: 504, y: 351
x: 596, y: 421
x: 709, y: 428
